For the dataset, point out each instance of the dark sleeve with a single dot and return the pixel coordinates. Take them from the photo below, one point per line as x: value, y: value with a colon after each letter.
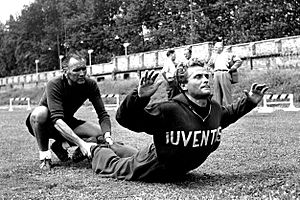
x: 54, y: 98
x: 231, y: 113
x: 103, y: 117
x: 133, y: 115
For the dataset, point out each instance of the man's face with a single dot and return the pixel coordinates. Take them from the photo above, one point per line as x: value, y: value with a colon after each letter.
x: 218, y: 47
x: 173, y: 57
x: 198, y: 82
x: 187, y: 54
x: 77, y: 71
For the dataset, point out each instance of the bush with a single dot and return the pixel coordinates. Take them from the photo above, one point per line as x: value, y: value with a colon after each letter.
x: 278, y: 81
x: 34, y: 94
x: 121, y: 87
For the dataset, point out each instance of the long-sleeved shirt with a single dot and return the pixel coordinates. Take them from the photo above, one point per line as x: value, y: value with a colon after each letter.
x: 63, y: 100
x: 183, y: 137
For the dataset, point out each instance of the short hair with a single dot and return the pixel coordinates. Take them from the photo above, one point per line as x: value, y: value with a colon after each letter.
x: 219, y: 44
x: 169, y: 52
x: 182, y: 74
x: 73, y: 54
x: 189, y: 49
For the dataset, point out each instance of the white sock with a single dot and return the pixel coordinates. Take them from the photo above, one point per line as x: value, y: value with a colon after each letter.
x: 45, y: 155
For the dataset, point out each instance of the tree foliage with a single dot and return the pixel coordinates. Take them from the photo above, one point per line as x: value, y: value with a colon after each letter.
x: 49, y: 28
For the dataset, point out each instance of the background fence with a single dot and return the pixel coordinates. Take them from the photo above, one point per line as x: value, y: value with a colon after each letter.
x: 279, y: 53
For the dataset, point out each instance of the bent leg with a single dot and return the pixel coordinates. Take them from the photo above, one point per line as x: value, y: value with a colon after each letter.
x: 38, y: 120
x: 106, y: 163
x: 122, y: 150
x: 88, y: 129
x: 40, y: 126
x: 141, y: 166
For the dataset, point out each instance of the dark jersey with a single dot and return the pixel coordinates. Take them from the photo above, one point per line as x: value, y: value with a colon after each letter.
x: 63, y: 100
x: 182, y: 137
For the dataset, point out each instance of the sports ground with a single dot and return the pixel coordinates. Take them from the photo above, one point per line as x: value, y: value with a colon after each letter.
x: 259, y: 158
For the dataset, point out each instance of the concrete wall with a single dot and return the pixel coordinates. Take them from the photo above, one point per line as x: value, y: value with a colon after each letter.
x: 279, y: 53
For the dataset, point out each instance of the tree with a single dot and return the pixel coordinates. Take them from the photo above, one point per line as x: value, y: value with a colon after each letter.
x: 49, y: 28
x: 7, y: 48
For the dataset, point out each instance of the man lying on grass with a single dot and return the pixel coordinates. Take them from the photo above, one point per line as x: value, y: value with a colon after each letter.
x: 185, y: 130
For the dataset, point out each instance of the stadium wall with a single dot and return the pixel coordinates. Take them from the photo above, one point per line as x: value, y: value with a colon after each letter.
x: 279, y: 53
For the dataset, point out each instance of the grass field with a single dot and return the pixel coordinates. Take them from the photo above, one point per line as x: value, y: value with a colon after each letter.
x: 257, y: 159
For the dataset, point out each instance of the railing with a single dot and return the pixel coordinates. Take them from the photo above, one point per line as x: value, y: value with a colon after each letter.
x: 273, y: 53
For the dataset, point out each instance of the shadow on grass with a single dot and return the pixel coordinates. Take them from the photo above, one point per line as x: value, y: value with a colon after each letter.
x: 273, y: 175
x: 85, y: 164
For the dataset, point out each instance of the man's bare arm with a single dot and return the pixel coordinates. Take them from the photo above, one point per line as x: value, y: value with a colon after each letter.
x: 69, y: 134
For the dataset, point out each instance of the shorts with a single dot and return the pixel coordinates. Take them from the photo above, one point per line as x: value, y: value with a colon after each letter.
x: 53, y: 132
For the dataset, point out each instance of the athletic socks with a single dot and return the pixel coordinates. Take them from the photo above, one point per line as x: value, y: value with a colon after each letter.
x: 45, y: 155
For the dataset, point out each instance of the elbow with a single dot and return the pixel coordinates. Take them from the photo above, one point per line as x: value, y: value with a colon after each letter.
x: 121, y: 120
x: 118, y: 119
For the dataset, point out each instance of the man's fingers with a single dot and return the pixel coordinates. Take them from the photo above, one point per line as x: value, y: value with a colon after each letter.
x: 264, y: 90
x: 155, y: 76
x: 149, y: 77
x: 89, y: 154
x: 151, y: 74
x: 260, y: 86
x: 88, y: 150
x: 142, y: 80
x: 146, y: 75
x: 253, y: 86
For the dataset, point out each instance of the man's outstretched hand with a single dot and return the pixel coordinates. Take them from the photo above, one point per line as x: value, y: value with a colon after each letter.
x: 147, y: 85
x: 257, y: 92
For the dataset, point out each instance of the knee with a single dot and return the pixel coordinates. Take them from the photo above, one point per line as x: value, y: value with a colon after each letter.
x: 39, y: 115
